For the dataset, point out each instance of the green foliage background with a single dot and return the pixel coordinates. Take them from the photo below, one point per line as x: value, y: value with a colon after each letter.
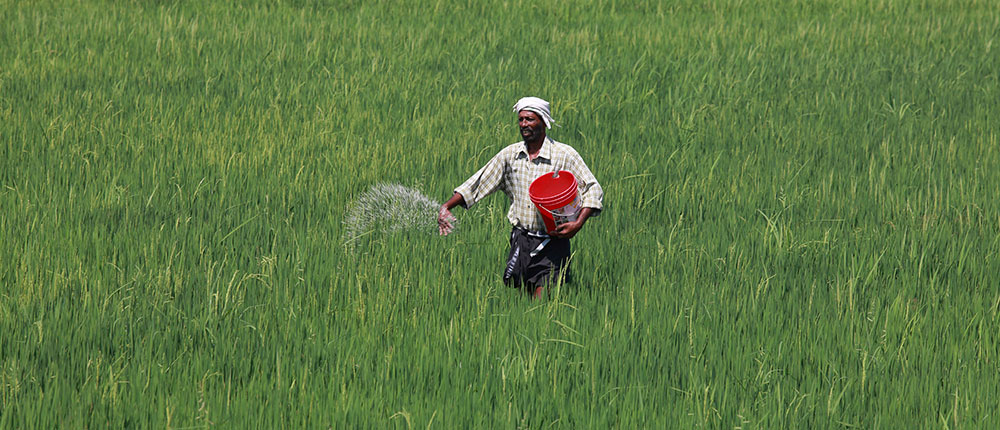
x: 801, y: 225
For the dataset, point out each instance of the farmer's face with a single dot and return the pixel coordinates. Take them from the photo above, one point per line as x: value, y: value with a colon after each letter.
x: 532, y: 127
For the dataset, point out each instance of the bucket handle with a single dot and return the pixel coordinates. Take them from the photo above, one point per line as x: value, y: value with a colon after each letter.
x: 544, y: 209
x: 540, y: 207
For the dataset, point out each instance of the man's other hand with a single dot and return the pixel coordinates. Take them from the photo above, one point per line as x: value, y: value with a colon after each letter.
x: 567, y: 230
x: 570, y: 229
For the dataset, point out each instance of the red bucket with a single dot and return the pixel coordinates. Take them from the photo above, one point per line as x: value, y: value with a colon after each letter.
x: 556, y: 197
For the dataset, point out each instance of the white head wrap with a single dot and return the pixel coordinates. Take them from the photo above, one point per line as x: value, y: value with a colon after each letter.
x: 536, y: 105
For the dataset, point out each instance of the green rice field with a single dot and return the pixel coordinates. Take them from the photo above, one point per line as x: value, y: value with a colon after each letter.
x: 801, y: 224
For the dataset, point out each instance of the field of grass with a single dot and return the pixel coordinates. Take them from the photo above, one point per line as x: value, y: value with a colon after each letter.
x: 802, y: 225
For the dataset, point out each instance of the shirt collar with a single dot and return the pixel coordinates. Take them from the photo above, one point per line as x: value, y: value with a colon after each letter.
x: 545, y: 152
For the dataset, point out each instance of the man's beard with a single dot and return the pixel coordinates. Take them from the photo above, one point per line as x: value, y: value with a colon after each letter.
x: 533, y: 133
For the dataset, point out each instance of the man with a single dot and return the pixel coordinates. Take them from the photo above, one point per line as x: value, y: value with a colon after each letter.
x: 535, y: 258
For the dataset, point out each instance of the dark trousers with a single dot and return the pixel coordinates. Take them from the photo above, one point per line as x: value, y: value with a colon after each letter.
x: 535, y: 260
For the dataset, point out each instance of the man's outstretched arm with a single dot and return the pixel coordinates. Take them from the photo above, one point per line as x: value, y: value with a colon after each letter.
x: 479, y: 185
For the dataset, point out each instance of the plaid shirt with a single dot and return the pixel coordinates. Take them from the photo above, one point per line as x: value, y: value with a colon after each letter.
x: 512, y: 171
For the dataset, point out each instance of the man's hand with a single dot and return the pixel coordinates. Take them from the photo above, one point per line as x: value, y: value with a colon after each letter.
x: 445, y: 219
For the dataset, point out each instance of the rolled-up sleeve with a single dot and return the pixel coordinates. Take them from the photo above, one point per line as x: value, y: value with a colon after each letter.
x: 482, y: 183
x: 591, y: 193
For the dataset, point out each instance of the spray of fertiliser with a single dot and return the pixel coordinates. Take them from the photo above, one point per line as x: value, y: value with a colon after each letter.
x: 389, y: 208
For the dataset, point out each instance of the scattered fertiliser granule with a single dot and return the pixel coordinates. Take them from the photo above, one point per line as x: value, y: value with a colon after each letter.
x: 390, y: 208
